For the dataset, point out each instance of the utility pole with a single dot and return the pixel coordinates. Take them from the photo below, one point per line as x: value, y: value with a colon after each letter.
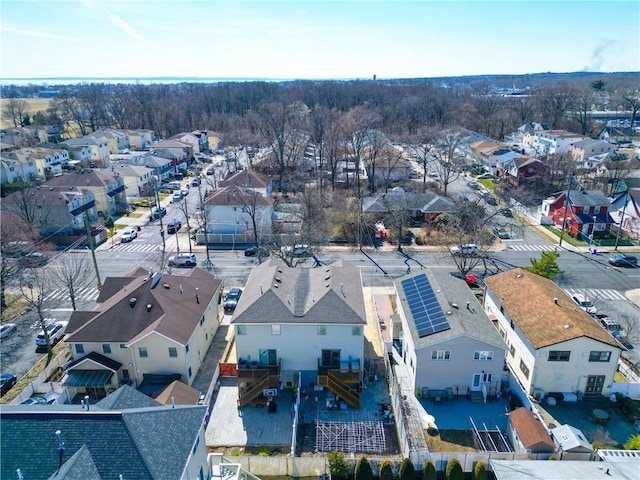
x: 566, y: 207
x: 624, y: 207
x: 92, y: 248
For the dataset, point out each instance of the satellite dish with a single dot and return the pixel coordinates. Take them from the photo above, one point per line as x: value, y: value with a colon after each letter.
x: 155, y: 280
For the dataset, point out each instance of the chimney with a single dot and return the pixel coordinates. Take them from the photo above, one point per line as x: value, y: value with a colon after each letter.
x: 173, y: 402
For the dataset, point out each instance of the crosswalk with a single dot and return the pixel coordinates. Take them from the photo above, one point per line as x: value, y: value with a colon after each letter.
x: 597, y: 293
x: 89, y: 294
x: 135, y: 247
x: 534, y: 248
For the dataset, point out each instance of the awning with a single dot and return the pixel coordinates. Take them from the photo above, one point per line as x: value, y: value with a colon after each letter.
x: 115, y: 191
x: 87, y: 378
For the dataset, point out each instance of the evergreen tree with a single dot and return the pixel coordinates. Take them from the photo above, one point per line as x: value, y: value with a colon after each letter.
x: 363, y: 470
x: 547, y: 266
x: 429, y: 471
x: 386, y: 472
x: 633, y: 443
x: 480, y: 471
x: 407, y: 470
x: 338, y: 466
x: 454, y: 470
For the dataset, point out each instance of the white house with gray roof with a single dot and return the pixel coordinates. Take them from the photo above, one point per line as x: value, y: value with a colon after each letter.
x: 444, y: 337
x: 307, y: 321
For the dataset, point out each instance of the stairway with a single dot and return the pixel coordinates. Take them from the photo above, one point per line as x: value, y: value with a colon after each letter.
x: 342, y: 390
x: 253, y: 391
x: 476, y: 397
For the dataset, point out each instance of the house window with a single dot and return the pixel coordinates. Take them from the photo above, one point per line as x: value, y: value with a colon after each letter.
x: 440, y: 354
x: 524, y: 369
x: 559, y: 355
x: 173, y: 352
x: 201, y: 320
x: 186, y: 348
x: 189, y: 372
x: 512, y: 350
x: 123, y: 345
x: 106, y: 348
x: 595, y: 356
x: 483, y: 355
x: 241, y: 329
x: 195, y: 447
x: 321, y: 330
x: 142, y: 351
x: 275, y: 329
x: 357, y: 330
x: 79, y: 348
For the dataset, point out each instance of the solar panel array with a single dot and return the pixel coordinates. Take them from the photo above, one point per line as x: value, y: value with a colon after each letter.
x: 424, y: 307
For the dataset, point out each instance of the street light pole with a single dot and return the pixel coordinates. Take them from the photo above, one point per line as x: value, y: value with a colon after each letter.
x: 566, y: 207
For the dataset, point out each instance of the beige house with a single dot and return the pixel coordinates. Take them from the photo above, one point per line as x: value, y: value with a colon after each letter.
x: 117, y: 140
x: 151, y: 329
x: 554, y: 345
x: 140, y: 139
x: 99, y: 148
x: 17, y: 168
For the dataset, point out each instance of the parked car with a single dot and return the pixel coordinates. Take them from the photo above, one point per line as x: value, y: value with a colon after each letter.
x: 196, y: 182
x: 584, y: 303
x: 128, y: 235
x: 610, y: 325
x: 7, y: 380
x: 471, y: 280
x: 298, y: 251
x: 473, y: 184
x: 253, y: 251
x: 55, y: 331
x: 506, y: 212
x: 144, y: 203
x: 466, y: 249
x: 501, y: 233
x: 174, y: 226
x: 231, y: 300
x: 159, y: 212
x: 183, y: 260
x: 623, y: 260
x: 177, y: 196
x: 184, y: 192
x: 210, y: 171
x: 32, y: 260
x: 7, y: 329
x: 50, y: 398
x: 490, y: 199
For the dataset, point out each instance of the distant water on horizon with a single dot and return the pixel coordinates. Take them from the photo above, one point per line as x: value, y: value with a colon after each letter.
x: 23, y: 82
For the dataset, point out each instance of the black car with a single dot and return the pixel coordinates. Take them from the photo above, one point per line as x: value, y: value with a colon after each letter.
x: 159, y: 212
x: 173, y: 227
x: 231, y: 300
x: 7, y: 380
x: 252, y: 251
x: 506, y: 212
x: 623, y: 260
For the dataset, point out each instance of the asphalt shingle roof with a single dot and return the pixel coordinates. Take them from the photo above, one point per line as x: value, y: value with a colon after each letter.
x: 324, y: 295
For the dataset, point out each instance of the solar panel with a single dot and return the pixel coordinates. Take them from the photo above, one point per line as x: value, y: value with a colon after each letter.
x: 423, y: 304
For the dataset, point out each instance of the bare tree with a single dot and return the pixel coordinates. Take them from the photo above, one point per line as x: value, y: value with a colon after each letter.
x: 631, y: 100
x: 555, y: 101
x: 73, y: 272
x: 35, y: 286
x: 28, y: 205
x: 16, y: 109
x: 445, y: 159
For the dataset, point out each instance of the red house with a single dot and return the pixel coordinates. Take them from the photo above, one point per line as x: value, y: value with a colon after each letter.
x: 587, y: 212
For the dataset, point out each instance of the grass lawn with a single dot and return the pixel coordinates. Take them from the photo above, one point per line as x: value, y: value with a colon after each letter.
x: 16, y: 304
x: 34, y: 105
x: 451, y: 441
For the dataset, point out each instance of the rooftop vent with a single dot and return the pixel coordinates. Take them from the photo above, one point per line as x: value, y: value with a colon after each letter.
x: 132, y: 302
x: 166, y: 285
x: 149, y: 307
x: 519, y: 275
x: 275, y: 285
x: 567, y: 326
x: 555, y: 300
x: 455, y: 305
x: 278, y: 279
x: 155, y: 279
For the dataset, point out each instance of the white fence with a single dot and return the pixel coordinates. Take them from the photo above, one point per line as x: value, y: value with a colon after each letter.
x: 631, y: 390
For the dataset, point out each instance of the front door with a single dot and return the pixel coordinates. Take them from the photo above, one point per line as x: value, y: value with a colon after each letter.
x: 594, y: 385
x: 480, y: 379
x: 268, y: 358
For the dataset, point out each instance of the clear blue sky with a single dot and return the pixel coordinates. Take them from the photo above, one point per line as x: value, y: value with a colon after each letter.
x: 314, y: 39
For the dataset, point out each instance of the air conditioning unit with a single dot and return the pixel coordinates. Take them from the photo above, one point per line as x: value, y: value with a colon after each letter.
x: 270, y: 392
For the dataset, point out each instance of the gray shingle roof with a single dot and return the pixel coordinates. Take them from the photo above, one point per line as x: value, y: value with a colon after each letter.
x: 140, y: 443
x: 588, y: 198
x: 126, y: 397
x: 324, y: 295
x: 450, y: 290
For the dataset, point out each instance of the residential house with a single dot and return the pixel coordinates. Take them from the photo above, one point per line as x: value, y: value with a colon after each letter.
x: 140, y: 139
x: 178, y: 393
x: 558, y: 142
x: 527, y: 433
x: 98, y: 147
x: 194, y: 140
x: 519, y: 169
x: 17, y: 168
x: 249, y: 181
x: 16, y: 137
x: 179, y: 150
x: 138, y: 181
x: 43, y: 133
x: 307, y: 321
x: 618, y: 135
x: 554, y: 345
x: 148, y: 329
x: 54, y: 210
x: 445, y: 338
x: 625, y: 211
x: 618, y: 174
x: 107, y: 188
x: 587, y: 212
x: 128, y: 436
x: 232, y: 211
x: 48, y: 162
x: 117, y: 140
x: 162, y: 167
x: 517, y: 137
x: 420, y: 207
x: 571, y: 440
x: 80, y: 155
x: 584, y: 149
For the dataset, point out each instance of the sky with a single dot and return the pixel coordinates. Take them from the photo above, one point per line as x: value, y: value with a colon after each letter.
x: 324, y: 39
